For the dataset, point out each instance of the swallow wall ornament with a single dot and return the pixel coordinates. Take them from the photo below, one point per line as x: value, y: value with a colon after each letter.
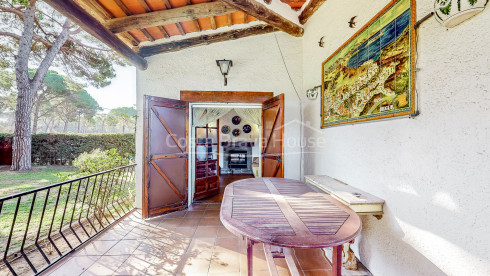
x: 321, y: 42
x: 352, y: 22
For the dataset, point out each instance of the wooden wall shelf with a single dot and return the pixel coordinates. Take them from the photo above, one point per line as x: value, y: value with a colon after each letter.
x: 363, y: 203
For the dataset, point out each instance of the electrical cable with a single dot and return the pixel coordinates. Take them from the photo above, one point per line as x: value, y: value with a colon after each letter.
x: 300, y: 107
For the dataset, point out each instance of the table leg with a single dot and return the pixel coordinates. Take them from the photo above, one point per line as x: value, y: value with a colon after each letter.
x: 337, y: 260
x: 250, y: 256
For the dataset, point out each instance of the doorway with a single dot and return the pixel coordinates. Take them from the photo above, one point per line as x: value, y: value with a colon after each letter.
x: 228, y: 139
x: 169, y: 152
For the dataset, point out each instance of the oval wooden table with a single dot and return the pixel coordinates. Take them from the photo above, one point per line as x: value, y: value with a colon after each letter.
x: 284, y: 214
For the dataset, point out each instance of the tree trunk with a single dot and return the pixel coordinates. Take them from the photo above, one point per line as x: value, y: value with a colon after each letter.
x: 36, y: 112
x: 65, y: 127
x: 78, y: 127
x: 21, y: 146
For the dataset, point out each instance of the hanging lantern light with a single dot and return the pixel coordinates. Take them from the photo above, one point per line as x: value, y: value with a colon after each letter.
x: 224, y: 66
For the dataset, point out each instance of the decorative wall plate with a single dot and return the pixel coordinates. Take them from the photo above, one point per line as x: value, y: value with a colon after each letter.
x: 236, y: 132
x: 247, y: 128
x: 225, y: 129
x: 236, y: 120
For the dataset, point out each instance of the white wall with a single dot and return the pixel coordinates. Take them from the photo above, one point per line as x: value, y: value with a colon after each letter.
x: 434, y: 170
x: 257, y: 66
x: 253, y: 136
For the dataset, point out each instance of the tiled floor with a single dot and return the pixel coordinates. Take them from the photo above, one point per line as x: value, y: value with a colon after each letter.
x: 191, y: 242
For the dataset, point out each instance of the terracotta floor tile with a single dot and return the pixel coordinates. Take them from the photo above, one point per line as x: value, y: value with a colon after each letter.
x: 189, y: 222
x: 224, y: 262
x: 137, y: 233
x: 194, y: 264
x: 318, y: 272
x: 124, y: 247
x: 106, y: 265
x: 171, y: 222
x: 223, y: 232
x: 134, y: 265
x: 199, y: 246
x: 194, y: 214
x: 228, y: 244
x: 206, y: 231
x: 209, y: 222
x: 211, y: 213
x: 96, y: 247
x: 312, y: 259
x: 75, y: 266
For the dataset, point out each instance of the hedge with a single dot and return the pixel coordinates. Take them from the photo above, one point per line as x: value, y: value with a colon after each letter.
x: 62, y: 149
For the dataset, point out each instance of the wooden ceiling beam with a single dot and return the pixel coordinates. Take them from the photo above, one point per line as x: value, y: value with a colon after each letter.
x: 259, y: 11
x: 146, y: 51
x: 125, y: 9
x: 213, y: 22
x: 309, y: 10
x: 94, y: 8
x: 196, y: 23
x: 170, y: 16
x: 92, y: 26
x: 230, y: 22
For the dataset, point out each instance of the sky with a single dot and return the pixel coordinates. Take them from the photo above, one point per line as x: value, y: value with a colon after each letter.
x: 120, y: 93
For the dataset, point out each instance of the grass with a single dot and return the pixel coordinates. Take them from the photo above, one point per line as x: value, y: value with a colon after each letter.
x: 14, y: 182
x: 40, y: 176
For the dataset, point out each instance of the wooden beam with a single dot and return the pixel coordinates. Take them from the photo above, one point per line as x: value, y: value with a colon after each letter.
x: 170, y: 16
x: 147, y: 51
x: 309, y: 10
x: 125, y: 9
x: 196, y: 24
x: 148, y: 9
x: 245, y: 18
x: 213, y: 22
x: 94, y: 8
x: 230, y: 22
x: 225, y: 96
x: 262, y: 13
x: 91, y: 25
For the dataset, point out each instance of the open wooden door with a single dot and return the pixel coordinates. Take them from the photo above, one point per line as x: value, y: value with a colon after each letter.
x: 166, y: 163
x: 273, y: 135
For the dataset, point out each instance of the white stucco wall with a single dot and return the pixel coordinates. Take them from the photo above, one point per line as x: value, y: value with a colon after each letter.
x: 434, y: 170
x: 257, y: 66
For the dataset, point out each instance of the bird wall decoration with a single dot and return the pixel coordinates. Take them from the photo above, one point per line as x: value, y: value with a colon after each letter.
x: 352, y: 22
x: 321, y: 42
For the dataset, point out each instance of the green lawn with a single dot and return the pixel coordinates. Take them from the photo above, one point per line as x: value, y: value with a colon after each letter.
x: 54, y: 217
x: 40, y: 176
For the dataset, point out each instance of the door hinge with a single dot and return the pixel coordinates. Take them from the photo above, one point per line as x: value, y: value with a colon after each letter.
x: 148, y: 185
x: 148, y: 159
x: 180, y: 106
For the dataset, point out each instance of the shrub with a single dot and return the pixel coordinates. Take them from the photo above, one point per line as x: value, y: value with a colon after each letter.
x: 62, y: 149
x: 98, y: 161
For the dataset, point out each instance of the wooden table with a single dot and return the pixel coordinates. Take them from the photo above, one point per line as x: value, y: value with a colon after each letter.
x: 284, y: 214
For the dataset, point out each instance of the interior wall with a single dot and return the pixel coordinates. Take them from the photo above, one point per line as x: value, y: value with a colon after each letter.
x: 253, y: 136
x: 432, y: 170
x: 258, y: 65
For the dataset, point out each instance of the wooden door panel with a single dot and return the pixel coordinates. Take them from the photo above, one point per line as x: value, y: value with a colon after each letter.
x: 167, y: 180
x: 273, y: 137
x: 166, y: 164
x: 174, y: 121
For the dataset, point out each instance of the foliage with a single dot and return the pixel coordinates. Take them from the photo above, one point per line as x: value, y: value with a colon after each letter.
x: 82, y: 56
x: 62, y: 149
x: 123, y: 116
x: 98, y: 161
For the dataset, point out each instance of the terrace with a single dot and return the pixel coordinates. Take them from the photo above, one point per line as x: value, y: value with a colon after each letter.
x: 386, y: 98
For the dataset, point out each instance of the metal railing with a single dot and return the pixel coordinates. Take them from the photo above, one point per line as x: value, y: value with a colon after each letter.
x: 41, y: 226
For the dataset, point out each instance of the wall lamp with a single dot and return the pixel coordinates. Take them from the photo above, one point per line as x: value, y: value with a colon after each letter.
x: 312, y: 94
x: 224, y: 66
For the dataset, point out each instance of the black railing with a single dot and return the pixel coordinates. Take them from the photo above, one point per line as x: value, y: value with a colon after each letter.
x: 41, y: 226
